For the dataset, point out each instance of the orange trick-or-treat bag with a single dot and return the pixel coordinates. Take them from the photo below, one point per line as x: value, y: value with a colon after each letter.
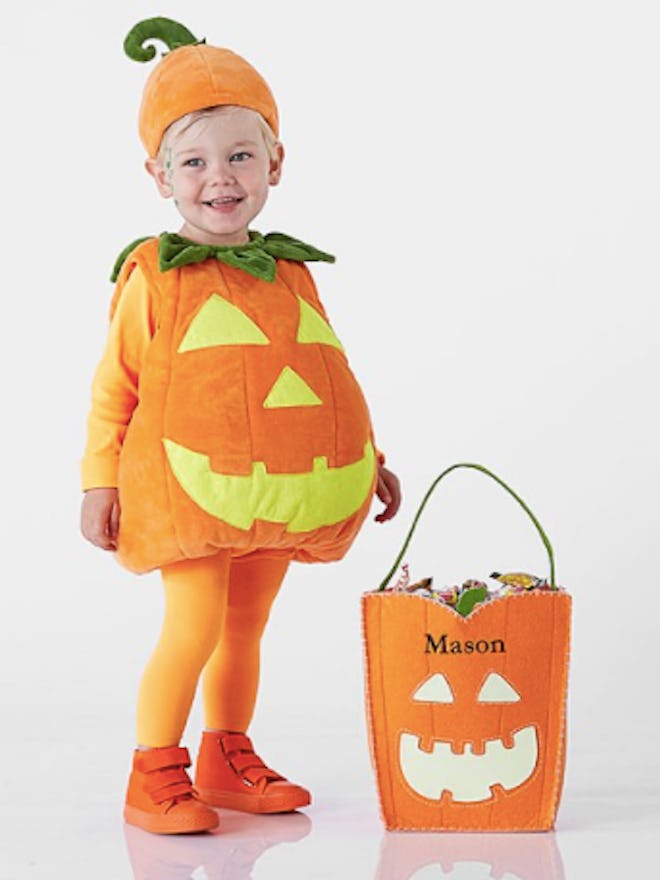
x: 466, y: 697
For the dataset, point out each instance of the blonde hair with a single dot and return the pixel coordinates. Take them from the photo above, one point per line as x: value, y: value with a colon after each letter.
x: 182, y: 124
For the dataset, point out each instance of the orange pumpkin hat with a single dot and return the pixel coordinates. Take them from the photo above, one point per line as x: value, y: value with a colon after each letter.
x: 192, y: 76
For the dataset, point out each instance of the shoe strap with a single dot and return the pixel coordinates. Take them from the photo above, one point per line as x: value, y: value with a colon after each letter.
x: 251, y: 767
x: 173, y: 793
x: 160, y: 759
x: 235, y: 742
x: 242, y: 759
x: 244, y: 762
x: 256, y: 775
x: 172, y: 784
x: 165, y: 777
x: 161, y: 779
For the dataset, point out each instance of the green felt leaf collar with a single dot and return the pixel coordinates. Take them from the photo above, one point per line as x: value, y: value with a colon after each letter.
x: 258, y: 257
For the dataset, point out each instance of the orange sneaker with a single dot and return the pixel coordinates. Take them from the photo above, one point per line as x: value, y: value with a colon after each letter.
x: 230, y: 775
x: 160, y: 797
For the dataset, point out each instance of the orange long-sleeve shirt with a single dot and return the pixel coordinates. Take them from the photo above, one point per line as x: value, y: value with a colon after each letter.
x: 115, y: 383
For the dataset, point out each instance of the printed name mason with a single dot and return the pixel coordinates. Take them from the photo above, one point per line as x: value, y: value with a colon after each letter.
x: 482, y: 646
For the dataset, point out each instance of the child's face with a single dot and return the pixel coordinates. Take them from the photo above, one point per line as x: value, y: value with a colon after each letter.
x: 218, y: 170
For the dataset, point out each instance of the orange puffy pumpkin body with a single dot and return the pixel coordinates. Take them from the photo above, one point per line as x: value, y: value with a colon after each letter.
x: 468, y: 714
x: 251, y: 432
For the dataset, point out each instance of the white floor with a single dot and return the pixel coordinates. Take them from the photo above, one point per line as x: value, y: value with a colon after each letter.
x: 61, y: 821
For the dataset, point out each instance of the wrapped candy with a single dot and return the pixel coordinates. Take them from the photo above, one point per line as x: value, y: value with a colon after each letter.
x: 471, y: 592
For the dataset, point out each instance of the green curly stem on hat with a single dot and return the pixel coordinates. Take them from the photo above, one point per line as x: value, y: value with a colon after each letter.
x: 166, y: 30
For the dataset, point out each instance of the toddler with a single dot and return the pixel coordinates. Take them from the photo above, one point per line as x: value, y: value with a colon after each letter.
x: 227, y: 435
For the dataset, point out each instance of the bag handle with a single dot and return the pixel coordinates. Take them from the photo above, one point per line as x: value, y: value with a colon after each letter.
x: 476, y: 467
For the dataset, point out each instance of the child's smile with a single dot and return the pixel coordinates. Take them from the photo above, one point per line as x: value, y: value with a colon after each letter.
x: 224, y: 205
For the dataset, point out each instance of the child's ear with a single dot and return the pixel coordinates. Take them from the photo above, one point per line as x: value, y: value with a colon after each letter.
x: 275, y: 171
x: 156, y: 170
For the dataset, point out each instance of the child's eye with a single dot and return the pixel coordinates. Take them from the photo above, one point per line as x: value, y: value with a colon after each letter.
x: 240, y: 156
x: 193, y: 163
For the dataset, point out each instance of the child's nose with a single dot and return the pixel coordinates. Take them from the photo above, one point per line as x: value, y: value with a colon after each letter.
x: 223, y: 173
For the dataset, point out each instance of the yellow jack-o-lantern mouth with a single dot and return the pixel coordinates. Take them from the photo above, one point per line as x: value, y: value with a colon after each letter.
x: 321, y: 497
x: 468, y: 777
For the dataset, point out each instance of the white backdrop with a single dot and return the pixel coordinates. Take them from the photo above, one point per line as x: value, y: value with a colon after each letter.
x: 488, y: 176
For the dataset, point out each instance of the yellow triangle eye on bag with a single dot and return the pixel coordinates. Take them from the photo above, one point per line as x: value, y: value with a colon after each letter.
x: 466, y: 698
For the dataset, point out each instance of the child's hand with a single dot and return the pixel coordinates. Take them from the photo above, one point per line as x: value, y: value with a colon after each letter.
x: 99, y: 517
x: 389, y: 492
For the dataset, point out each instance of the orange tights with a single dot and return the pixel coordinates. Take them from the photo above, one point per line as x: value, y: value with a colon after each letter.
x: 216, y: 609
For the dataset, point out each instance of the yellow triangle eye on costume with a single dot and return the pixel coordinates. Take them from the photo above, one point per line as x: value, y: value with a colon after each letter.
x: 314, y: 328
x: 218, y: 322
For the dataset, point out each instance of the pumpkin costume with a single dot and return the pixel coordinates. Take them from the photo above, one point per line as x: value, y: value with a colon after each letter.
x: 258, y: 440
x: 225, y: 412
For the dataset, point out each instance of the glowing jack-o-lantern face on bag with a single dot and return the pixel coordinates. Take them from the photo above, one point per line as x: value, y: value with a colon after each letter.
x: 257, y: 433
x: 470, y: 776
x: 468, y: 713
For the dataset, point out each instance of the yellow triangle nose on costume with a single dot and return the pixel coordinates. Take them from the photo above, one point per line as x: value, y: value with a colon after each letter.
x: 290, y: 389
